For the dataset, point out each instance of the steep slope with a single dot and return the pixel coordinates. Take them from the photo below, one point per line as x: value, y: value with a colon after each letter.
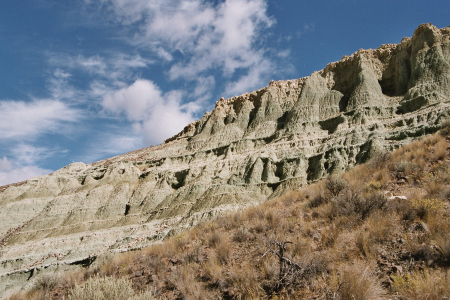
x: 248, y: 149
x: 378, y: 231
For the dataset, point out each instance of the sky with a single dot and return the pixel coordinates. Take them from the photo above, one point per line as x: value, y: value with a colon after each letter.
x: 85, y: 80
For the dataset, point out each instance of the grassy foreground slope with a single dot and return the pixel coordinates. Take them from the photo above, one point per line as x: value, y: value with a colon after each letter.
x: 379, y: 231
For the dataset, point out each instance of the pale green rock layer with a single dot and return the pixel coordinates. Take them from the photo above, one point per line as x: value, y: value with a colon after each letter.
x: 250, y: 148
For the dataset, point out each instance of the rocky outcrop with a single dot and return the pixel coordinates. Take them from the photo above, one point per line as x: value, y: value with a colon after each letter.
x: 250, y: 148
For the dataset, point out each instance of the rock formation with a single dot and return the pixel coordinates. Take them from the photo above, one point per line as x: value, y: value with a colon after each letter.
x: 250, y: 148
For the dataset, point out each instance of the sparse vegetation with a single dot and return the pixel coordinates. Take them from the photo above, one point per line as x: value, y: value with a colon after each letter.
x: 346, y: 237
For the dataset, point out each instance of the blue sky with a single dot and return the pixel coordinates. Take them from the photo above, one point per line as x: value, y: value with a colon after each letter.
x: 84, y: 80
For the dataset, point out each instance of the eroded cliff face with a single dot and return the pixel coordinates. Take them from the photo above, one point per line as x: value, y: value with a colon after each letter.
x: 248, y: 149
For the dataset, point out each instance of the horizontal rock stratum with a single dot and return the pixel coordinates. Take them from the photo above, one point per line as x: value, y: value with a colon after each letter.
x: 248, y: 149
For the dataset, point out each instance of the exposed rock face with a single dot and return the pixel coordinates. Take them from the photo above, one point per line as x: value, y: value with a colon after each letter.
x: 248, y: 149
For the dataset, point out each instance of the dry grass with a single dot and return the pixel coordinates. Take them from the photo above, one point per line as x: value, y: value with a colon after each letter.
x: 183, y: 279
x: 245, y: 283
x: 380, y: 226
x: 106, y: 288
x: 426, y: 285
x: 212, y: 272
x: 357, y: 281
x: 347, y: 240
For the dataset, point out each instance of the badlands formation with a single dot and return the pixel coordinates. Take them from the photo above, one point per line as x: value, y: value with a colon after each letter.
x: 250, y: 148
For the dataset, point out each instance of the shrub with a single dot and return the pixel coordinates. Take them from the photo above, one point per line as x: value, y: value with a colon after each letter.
x: 401, y: 166
x: 377, y: 229
x: 317, y: 201
x: 335, y: 184
x: 353, y: 202
x: 226, y: 222
x: 380, y: 159
x: 43, y: 286
x: 45, y: 283
x: 420, y: 251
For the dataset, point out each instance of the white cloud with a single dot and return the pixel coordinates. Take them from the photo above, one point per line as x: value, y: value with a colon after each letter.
x: 59, y: 86
x: 164, y: 54
x: 5, y: 164
x: 284, y: 53
x: 155, y: 114
x: 204, y: 86
x: 19, y: 119
x: 115, y: 67
x: 221, y: 38
x: 10, y: 173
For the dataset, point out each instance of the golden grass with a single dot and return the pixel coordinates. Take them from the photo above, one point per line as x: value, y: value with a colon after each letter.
x: 426, y: 285
x: 357, y: 281
x: 106, y: 288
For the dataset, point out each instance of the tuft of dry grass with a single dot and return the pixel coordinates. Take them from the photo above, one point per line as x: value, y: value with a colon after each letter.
x: 215, y: 239
x: 358, y: 281
x: 223, y: 251
x: 380, y: 226
x: 183, y: 278
x: 105, y: 288
x: 212, y: 272
x: 440, y: 150
x: 244, y: 283
x: 426, y: 285
x: 443, y: 246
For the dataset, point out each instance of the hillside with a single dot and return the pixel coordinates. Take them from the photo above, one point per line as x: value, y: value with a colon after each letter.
x: 249, y: 149
x: 379, y: 231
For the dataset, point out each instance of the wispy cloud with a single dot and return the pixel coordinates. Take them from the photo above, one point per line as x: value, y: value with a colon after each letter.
x: 28, y: 120
x: 116, y: 67
x: 28, y: 154
x: 198, y: 37
x: 59, y: 87
x: 254, y: 76
x: 306, y: 28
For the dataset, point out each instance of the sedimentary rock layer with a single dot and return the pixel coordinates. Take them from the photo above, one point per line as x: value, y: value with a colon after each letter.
x: 248, y: 149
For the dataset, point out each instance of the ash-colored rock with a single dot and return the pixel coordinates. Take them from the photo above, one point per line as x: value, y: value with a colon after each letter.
x: 250, y: 148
